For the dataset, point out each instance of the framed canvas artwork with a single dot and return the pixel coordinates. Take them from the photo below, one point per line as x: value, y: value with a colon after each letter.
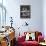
x: 25, y: 11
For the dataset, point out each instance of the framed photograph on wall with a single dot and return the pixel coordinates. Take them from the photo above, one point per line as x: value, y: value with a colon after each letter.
x: 25, y: 11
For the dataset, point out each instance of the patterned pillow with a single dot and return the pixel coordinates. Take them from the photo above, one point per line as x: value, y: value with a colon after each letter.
x: 27, y: 36
x: 33, y: 36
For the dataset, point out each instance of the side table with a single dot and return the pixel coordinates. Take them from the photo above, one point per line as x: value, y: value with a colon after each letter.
x: 42, y: 44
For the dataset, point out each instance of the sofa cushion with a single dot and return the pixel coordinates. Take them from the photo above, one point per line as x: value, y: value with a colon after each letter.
x: 29, y: 43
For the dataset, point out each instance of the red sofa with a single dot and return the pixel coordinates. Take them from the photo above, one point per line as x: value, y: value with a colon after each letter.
x: 22, y: 42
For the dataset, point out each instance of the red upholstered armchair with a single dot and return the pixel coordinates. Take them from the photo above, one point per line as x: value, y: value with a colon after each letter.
x: 22, y: 42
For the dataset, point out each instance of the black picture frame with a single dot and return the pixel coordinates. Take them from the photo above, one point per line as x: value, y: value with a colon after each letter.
x: 25, y: 11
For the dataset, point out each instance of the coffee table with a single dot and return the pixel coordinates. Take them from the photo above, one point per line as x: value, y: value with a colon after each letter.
x: 42, y: 44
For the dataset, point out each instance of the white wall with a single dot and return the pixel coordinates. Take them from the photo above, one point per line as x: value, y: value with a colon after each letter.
x: 44, y: 17
x: 13, y: 9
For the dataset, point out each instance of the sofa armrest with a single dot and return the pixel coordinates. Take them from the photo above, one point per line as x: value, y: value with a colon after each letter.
x: 41, y: 38
x: 37, y: 34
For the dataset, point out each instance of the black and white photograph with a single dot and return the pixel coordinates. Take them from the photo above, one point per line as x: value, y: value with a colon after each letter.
x: 25, y: 11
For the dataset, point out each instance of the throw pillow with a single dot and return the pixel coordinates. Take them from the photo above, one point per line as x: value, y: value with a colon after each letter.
x: 27, y: 36
x: 33, y: 36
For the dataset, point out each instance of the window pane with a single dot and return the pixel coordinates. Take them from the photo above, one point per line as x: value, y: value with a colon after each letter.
x: 0, y: 1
